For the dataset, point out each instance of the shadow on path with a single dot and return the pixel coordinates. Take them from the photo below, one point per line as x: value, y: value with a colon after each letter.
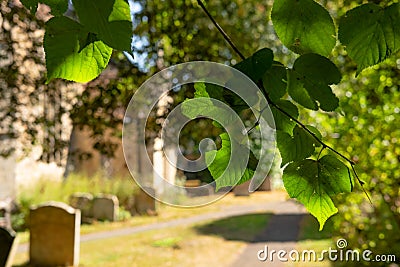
x: 238, y: 228
x: 280, y: 233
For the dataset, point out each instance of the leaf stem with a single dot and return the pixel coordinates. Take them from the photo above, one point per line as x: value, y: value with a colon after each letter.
x: 258, y: 119
x: 322, y: 149
x: 361, y: 183
x: 226, y: 37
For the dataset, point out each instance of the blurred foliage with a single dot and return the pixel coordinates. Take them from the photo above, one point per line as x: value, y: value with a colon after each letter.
x: 368, y: 132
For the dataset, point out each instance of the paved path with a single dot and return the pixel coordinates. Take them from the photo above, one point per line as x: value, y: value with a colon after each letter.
x: 280, y: 234
x: 273, y: 207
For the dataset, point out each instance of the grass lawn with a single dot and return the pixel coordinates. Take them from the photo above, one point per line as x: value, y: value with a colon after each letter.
x: 211, y: 243
x: 167, y: 212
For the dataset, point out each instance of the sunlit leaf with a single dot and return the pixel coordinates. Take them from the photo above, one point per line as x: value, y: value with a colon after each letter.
x: 65, y: 58
x: 315, y: 183
x: 228, y: 169
x: 304, y: 26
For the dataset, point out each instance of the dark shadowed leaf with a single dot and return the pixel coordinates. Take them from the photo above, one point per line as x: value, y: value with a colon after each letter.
x: 283, y: 122
x: 109, y: 19
x: 309, y: 82
x: 58, y: 7
x: 275, y: 82
x: 256, y: 65
x: 370, y: 33
x: 297, y: 147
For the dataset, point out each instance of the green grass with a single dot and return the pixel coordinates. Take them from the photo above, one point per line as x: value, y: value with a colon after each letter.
x: 167, y: 213
x: 169, y: 242
x: 177, y: 246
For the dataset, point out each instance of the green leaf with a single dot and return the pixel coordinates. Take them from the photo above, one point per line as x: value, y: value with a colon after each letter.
x: 65, y: 58
x: 297, y: 147
x: 304, y: 26
x: 256, y: 65
x: 282, y: 122
x: 275, y: 82
x: 218, y: 161
x: 298, y: 93
x: 208, y: 90
x: 315, y: 183
x: 109, y: 19
x: 309, y: 82
x: 58, y: 7
x: 370, y: 33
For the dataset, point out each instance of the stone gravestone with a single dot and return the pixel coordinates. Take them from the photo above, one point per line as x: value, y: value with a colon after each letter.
x: 8, y: 246
x: 266, y: 185
x: 83, y: 202
x: 5, y: 214
x: 242, y: 189
x: 144, y: 203
x: 105, y: 207
x: 54, y: 235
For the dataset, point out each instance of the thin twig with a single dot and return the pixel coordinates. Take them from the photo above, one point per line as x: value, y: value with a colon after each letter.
x: 226, y: 37
x: 361, y: 183
x: 258, y: 119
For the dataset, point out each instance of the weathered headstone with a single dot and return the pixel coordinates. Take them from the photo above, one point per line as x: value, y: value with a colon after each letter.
x: 5, y: 214
x: 144, y: 203
x: 266, y: 185
x: 54, y: 235
x: 242, y: 190
x: 83, y: 202
x: 8, y: 246
x: 105, y: 207
x: 201, y: 190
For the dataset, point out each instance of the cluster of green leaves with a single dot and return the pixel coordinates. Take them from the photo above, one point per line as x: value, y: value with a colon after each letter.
x: 308, y: 30
x: 78, y: 47
x: 79, y: 39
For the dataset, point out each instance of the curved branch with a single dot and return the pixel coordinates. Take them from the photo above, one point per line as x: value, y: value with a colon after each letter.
x: 261, y: 86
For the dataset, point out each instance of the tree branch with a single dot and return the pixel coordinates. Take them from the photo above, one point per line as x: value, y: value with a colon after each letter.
x: 261, y: 86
